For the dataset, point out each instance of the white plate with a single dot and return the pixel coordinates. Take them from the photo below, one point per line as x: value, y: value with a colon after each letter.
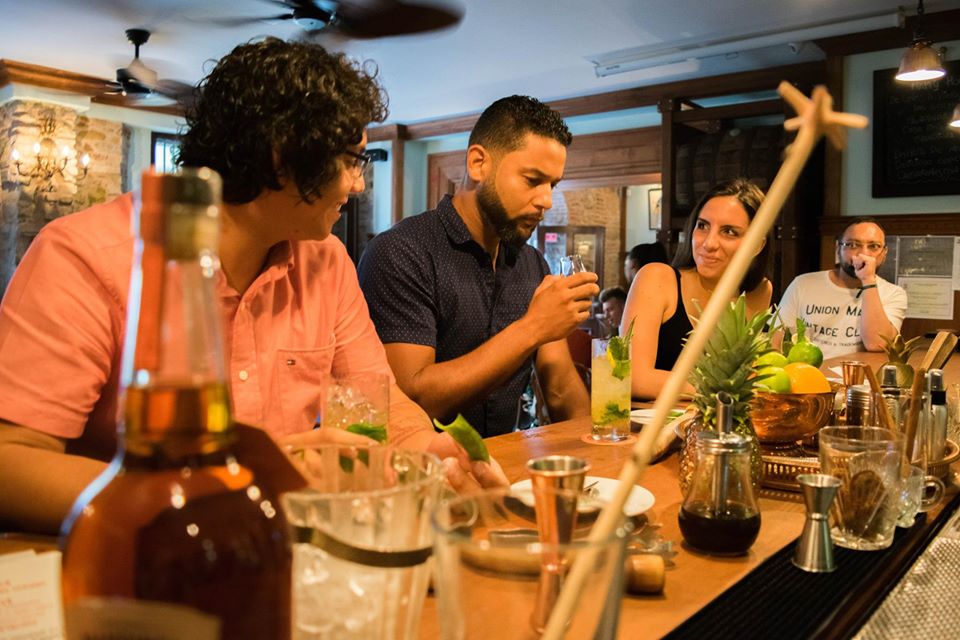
x: 638, y: 501
x: 645, y: 416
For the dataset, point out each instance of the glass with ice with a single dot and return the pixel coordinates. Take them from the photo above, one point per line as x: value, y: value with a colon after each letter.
x: 361, y: 540
x: 358, y: 403
x: 610, y: 388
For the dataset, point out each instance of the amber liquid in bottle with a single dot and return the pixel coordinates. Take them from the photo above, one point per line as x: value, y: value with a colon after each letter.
x: 176, y: 527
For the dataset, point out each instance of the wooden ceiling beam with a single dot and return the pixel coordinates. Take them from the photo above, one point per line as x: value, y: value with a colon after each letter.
x: 12, y: 72
x: 808, y: 73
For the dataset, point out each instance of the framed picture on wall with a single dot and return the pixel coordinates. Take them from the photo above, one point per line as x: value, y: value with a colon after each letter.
x: 654, y: 200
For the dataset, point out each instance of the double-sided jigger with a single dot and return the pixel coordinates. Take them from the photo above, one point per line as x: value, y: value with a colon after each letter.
x: 557, y: 482
x: 815, y: 548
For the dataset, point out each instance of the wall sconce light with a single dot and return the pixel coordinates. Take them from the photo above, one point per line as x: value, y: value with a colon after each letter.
x: 920, y: 61
x: 46, y: 165
x: 955, y: 119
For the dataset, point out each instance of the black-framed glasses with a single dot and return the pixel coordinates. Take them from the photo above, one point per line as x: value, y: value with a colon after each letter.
x: 872, y: 247
x: 360, y: 161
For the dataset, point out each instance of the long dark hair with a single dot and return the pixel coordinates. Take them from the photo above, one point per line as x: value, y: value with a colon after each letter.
x: 750, y: 197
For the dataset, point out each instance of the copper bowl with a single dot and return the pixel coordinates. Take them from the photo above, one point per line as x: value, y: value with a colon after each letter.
x: 788, y: 417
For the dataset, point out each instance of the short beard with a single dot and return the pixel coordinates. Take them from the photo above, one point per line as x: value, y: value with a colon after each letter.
x: 494, y: 213
x: 847, y: 268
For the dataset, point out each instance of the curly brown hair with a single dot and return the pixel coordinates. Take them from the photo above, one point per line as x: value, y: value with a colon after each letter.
x: 294, y: 98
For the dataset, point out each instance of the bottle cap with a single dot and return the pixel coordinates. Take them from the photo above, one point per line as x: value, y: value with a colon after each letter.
x: 712, y: 442
x: 888, y: 376
x: 935, y: 376
x: 180, y: 211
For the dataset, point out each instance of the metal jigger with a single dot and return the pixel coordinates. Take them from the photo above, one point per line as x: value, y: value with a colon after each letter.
x: 557, y: 482
x: 815, y: 548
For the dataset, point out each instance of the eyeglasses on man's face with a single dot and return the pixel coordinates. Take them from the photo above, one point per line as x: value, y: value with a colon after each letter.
x: 359, y: 161
x: 872, y: 247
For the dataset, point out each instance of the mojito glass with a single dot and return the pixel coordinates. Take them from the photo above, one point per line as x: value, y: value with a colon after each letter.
x: 358, y: 403
x: 610, y: 389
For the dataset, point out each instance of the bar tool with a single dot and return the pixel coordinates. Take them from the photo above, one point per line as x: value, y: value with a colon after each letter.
x: 814, y: 551
x: 557, y: 482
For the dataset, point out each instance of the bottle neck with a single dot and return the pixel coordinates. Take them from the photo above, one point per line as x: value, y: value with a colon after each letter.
x: 176, y: 399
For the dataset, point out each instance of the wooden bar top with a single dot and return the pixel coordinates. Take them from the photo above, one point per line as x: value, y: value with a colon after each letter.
x: 694, y: 579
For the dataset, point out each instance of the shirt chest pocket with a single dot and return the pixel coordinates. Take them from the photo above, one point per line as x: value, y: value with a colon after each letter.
x: 301, y: 379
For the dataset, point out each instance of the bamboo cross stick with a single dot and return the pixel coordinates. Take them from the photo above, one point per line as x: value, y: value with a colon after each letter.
x: 815, y: 118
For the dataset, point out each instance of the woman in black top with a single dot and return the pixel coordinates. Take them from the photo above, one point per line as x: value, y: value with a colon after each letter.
x: 663, y: 298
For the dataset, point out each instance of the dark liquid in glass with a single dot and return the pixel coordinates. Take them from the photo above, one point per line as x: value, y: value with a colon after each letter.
x: 729, y: 531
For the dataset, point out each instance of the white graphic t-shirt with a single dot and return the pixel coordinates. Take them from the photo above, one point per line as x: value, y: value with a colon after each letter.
x: 832, y: 313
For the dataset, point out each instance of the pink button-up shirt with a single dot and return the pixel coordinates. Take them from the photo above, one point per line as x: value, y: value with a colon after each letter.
x: 62, y: 324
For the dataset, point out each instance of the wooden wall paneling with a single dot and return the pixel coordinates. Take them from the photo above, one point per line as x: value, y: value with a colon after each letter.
x: 614, y: 154
x: 833, y: 160
x: 396, y: 202
x: 445, y: 172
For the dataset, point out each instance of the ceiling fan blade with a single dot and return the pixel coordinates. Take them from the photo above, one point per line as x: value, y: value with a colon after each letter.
x: 245, y: 20
x: 393, y: 18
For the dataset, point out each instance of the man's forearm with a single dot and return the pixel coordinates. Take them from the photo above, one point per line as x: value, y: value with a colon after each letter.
x: 443, y: 387
x: 408, y: 425
x: 874, y: 323
x: 567, y: 397
x: 40, y: 483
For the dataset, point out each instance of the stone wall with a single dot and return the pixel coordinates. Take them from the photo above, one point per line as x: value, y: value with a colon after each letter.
x: 30, y: 201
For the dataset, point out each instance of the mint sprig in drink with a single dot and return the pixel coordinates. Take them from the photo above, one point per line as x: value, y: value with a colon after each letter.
x: 610, y: 388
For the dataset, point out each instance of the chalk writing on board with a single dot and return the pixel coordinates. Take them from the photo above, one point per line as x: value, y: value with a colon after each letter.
x: 915, y: 152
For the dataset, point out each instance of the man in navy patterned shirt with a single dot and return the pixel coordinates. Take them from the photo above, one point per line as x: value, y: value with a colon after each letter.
x: 464, y: 307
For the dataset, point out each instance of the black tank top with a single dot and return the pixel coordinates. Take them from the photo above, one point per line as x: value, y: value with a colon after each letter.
x: 672, y: 333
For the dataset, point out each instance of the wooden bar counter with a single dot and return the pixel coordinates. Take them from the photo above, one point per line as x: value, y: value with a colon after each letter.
x: 694, y: 579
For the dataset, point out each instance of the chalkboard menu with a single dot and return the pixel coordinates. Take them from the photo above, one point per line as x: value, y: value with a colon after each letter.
x: 915, y: 152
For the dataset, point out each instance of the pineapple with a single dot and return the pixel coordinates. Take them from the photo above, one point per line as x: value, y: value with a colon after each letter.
x: 898, y: 351
x: 727, y: 365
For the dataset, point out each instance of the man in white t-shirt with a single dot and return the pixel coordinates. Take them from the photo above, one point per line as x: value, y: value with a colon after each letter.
x: 848, y: 308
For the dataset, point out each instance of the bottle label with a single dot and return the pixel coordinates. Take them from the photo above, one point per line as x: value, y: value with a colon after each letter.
x: 122, y: 619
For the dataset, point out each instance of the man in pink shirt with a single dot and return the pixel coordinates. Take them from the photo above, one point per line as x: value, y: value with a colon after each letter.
x: 283, y: 123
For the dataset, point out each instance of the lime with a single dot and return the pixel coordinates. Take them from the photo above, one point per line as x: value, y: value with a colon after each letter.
x: 771, y: 359
x: 773, y: 379
x: 806, y: 352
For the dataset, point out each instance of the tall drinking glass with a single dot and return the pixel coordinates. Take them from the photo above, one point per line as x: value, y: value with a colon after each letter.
x: 361, y: 541
x: 610, y: 389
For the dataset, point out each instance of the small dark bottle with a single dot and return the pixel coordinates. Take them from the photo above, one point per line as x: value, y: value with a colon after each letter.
x: 720, y: 514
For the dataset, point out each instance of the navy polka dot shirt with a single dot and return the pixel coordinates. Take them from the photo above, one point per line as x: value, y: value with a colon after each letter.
x: 428, y: 282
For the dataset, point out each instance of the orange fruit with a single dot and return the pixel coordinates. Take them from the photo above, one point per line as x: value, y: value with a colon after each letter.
x: 806, y: 378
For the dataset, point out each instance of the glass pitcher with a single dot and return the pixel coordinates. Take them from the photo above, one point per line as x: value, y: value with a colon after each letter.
x: 720, y: 514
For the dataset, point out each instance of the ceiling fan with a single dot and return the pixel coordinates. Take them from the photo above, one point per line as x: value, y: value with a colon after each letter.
x: 139, y: 83
x: 363, y: 19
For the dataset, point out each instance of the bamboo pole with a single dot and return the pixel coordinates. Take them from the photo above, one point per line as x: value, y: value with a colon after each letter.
x: 815, y: 118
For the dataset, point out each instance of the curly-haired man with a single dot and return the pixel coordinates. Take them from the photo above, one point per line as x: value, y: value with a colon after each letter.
x: 463, y: 305
x: 284, y: 125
